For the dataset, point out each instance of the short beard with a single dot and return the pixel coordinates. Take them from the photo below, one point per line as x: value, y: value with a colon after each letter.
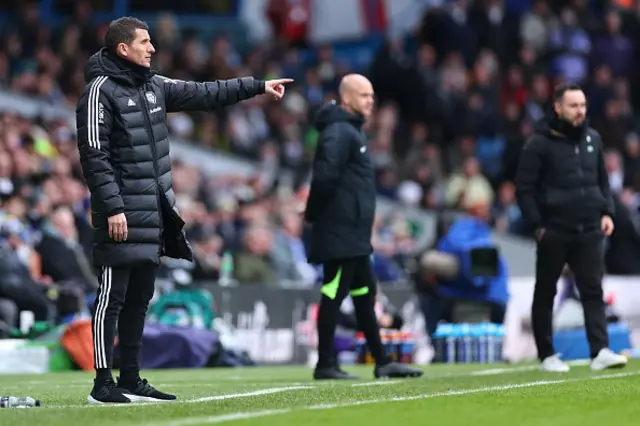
x: 567, y: 128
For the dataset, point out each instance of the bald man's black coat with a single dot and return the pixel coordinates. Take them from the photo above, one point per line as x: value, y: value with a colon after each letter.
x: 342, y: 201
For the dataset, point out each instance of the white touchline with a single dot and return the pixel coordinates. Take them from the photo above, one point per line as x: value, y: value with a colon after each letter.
x: 494, y: 371
x: 249, y: 394
x: 260, y: 392
x: 378, y: 383
x: 223, y: 418
x: 229, y: 417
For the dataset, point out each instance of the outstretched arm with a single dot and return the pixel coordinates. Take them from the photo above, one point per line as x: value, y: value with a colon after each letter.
x: 183, y: 95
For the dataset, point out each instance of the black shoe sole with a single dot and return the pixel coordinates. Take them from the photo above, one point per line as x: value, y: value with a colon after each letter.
x: 401, y: 375
x: 336, y: 378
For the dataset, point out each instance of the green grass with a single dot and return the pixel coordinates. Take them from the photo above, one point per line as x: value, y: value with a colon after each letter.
x: 451, y: 395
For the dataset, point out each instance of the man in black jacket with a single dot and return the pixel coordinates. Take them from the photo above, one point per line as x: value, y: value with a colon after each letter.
x: 124, y: 151
x: 564, y: 195
x: 341, y: 209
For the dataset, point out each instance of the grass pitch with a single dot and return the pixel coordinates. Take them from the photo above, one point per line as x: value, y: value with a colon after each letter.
x: 286, y: 396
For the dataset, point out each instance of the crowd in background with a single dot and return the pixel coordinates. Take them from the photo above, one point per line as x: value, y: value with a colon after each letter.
x: 456, y: 101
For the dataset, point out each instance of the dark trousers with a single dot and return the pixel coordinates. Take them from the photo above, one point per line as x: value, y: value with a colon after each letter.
x: 123, y: 298
x: 9, y: 313
x: 30, y: 296
x: 583, y: 253
x: 342, y: 277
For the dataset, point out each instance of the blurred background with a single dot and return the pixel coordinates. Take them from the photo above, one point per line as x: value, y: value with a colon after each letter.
x: 459, y: 85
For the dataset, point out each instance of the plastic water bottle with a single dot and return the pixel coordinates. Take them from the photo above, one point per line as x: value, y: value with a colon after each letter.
x: 499, y: 342
x: 18, y: 402
x: 481, y: 331
x: 226, y: 270
x: 361, y: 348
x: 443, y: 340
x: 451, y: 343
x: 395, y: 344
x: 439, y: 342
x: 465, y: 354
x: 492, y: 330
x: 475, y: 342
x: 408, y: 347
x: 385, y: 337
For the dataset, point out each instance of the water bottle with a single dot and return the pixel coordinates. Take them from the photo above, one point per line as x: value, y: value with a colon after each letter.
x: 437, y: 341
x: 451, y: 342
x: 385, y: 337
x: 464, y: 344
x: 482, y: 343
x: 396, y: 344
x: 499, y: 341
x: 475, y: 342
x: 408, y: 347
x: 492, y: 330
x: 361, y: 348
x: 226, y: 270
x: 16, y: 402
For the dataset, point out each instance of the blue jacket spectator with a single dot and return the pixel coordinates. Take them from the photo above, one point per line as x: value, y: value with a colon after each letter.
x: 463, y: 236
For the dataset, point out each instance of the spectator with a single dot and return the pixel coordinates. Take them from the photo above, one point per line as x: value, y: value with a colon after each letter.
x: 468, y: 185
x: 252, y: 264
x: 63, y: 258
x: 614, y: 48
x: 207, y: 255
x: 288, y: 254
x: 506, y: 213
x: 20, y: 273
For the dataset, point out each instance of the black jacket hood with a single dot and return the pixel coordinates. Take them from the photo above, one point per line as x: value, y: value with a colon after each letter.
x: 105, y: 63
x: 553, y: 127
x: 543, y: 127
x: 333, y: 113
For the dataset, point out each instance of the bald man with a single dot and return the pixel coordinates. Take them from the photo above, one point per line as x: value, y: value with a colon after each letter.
x: 341, y: 208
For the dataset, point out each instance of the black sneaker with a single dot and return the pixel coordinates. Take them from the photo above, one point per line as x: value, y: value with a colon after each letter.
x: 332, y: 373
x: 396, y: 370
x: 107, y: 392
x: 142, y: 391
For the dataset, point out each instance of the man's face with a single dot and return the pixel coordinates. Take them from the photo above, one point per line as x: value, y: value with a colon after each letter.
x: 361, y: 100
x: 572, y: 107
x: 140, y: 50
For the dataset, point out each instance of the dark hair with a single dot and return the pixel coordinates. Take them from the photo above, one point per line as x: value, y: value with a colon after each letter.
x: 559, y: 91
x: 123, y: 30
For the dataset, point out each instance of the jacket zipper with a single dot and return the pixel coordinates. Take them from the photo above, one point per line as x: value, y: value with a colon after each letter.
x: 154, y: 156
x: 580, y: 171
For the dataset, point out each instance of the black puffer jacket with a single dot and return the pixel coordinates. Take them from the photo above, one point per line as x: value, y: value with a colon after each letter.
x: 562, y: 182
x: 342, y: 200
x: 124, y: 150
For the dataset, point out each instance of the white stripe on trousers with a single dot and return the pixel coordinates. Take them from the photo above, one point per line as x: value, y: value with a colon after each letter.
x: 99, y: 344
x: 93, y: 138
x: 93, y: 112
